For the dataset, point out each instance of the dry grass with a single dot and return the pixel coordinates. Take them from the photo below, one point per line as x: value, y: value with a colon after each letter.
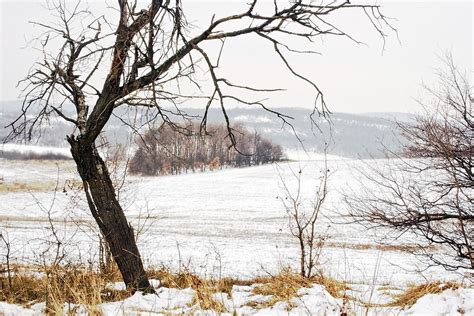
x: 334, y: 287
x: 387, y: 288
x: 282, y: 287
x: 359, y: 246
x: 8, y: 187
x: 43, y: 186
x: 204, y: 298
x: 57, y: 285
x: 414, y: 292
x: 82, y: 286
x: 205, y: 289
x: 181, y: 280
x: 23, y: 289
x: 78, y: 285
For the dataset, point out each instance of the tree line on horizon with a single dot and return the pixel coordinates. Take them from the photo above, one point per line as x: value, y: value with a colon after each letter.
x: 167, y: 150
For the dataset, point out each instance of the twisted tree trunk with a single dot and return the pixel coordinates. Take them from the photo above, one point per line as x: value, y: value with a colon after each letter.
x: 108, y: 214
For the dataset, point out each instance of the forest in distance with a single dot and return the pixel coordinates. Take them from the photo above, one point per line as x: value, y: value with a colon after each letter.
x: 166, y: 150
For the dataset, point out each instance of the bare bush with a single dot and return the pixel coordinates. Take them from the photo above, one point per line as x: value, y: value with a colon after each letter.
x: 428, y: 189
x: 303, y: 219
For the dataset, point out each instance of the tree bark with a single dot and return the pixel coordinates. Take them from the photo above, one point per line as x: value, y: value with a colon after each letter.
x: 109, y: 215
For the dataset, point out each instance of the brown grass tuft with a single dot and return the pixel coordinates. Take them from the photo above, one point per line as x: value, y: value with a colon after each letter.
x: 205, y: 289
x: 334, y: 287
x: 414, y: 292
x: 283, y: 287
x: 24, y: 288
x: 204, y: 298
x: 57, y: 285
x: 8, y: 187
x: 181, y: 280
x: 383, y: 247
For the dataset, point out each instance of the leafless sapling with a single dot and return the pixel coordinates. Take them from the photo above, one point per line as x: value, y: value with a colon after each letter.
x: 303, y: 218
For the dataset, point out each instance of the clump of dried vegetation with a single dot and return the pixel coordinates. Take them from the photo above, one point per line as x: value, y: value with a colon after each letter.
x: 415, y: 291
x: 77, y: 285
x: 205, y: 289
x: 69, y: 287
x: 284, y: 286
x: 57, y: 285
x: 7, y: 187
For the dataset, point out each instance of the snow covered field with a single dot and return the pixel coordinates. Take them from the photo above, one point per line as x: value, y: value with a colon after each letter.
x: 226, y: 222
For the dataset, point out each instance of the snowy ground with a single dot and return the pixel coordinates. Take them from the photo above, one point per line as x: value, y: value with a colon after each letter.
x: 311, y: 301
x: 314, y: 300
x: 227, y: 222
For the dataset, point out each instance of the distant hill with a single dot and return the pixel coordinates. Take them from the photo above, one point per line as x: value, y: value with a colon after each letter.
x: 349, y: 135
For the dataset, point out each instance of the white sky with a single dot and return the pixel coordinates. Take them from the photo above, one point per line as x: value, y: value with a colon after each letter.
x: 354, y: 78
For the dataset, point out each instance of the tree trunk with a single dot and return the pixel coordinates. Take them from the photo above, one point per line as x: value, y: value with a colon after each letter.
x: 109, y: 215
x: 302, y: 255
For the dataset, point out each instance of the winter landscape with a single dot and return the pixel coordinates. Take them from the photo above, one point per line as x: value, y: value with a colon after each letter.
x: 188, y: 158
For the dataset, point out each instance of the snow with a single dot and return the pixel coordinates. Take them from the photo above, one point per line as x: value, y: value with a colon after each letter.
x: 116, y: 286
x: 309, y: 301
x: 448, y: 303
x: 165, y: 299
x: 7, y: 309
x: 302, y: 155
x: 253, y: 119
x: 222, y: 223
x: 227, y: 222
x: 120, y: 286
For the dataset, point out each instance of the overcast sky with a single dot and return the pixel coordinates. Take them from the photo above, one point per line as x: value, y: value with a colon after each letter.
x: 354, y: 78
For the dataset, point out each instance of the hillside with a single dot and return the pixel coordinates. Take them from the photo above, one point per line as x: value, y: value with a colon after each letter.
x: 349, y: 135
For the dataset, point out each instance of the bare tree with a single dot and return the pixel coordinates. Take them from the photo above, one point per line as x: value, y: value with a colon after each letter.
x: 91, y: 66
x: 428, y: 189
x: 303, y: 218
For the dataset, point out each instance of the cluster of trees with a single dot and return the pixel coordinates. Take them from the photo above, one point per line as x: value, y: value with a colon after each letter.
x: 168, y: 150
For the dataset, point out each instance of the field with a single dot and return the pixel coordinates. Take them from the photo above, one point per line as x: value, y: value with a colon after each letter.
x: 222, y: 223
